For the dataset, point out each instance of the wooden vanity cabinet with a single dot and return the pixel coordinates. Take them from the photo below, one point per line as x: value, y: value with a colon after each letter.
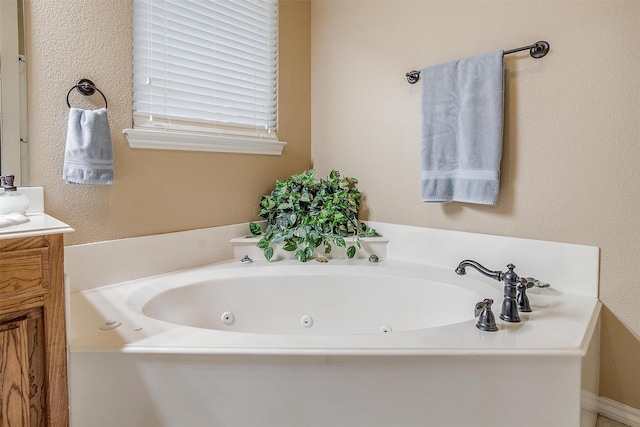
x: 33, y: 360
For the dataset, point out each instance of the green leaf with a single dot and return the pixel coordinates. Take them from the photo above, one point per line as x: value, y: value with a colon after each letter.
x: 255, y: 229
x: 263, y: 243
x: 339, y: 241
x: 301, y: 255
x: 351, y: 251
x: 371, y: 233
x: 290, y: 246
x: 268, y: 203
x: 282, y: 221
x: 311, y: 247
x: 309, y: 251
x: 268, y: 253
x: 293, y: 218
x: 300, y: 232
x: 313, y: 231
x: 277, y: 237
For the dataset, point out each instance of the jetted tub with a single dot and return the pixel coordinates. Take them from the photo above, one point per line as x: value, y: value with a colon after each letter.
x: 308, y: 299
x: 346, y: 343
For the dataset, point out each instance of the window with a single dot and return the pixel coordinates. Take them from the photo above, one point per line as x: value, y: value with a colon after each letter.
x: 205, y: 75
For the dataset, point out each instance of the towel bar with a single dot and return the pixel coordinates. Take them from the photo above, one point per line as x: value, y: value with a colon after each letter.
x: 536, y: 50
x: 86, y: 88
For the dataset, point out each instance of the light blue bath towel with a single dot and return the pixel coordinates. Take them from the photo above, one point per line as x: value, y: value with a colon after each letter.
x: 462, y: 120
x: 88, y: 155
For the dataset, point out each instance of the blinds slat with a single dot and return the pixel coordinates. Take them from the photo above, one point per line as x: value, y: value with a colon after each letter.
x: 207, y: 60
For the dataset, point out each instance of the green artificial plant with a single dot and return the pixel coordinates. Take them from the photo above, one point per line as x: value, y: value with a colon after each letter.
x: 307, y: 214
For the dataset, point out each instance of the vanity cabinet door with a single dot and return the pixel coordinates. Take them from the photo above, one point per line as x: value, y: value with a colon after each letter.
x: 33, y: 363
x: 22, y: 370
x: 14, y: 373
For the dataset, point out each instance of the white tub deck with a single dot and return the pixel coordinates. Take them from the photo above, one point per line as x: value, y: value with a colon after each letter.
x: 560, y: 324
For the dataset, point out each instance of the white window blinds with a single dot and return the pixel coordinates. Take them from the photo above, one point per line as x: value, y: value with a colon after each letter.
x: 206, y: 66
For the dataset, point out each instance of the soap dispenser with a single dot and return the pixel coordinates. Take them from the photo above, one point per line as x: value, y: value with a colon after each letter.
x: 11, y: 200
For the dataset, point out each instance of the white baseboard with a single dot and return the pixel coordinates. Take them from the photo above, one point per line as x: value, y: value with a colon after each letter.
x: 620, y: 412
x: 610, y: 408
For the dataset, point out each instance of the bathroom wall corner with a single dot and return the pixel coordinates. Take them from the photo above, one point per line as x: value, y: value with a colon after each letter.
x: 591, y: 364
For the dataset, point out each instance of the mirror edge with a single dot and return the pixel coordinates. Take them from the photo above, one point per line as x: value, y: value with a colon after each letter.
x: 13, y: 124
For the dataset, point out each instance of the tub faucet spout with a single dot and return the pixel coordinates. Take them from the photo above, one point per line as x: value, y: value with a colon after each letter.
x: 497, y: 275
x: 511, y: 282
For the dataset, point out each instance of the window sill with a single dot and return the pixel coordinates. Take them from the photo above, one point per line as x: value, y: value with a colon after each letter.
x: 164, y: 140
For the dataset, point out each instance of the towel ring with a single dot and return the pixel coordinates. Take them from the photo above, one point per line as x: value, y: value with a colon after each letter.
x: 86, y: 88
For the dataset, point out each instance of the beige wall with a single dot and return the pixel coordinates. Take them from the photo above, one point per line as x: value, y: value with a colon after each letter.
x: 572, y: 130
x: 154, y: 191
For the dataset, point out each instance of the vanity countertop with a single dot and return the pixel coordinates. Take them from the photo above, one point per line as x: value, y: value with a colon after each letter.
x: 39, y: 222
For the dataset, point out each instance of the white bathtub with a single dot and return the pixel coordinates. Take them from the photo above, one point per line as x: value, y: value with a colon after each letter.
x: 348, y: 343
x: 310, y: 299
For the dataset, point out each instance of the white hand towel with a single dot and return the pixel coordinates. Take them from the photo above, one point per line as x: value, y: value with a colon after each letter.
x: 462, y: 120
x: 88, y: 155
